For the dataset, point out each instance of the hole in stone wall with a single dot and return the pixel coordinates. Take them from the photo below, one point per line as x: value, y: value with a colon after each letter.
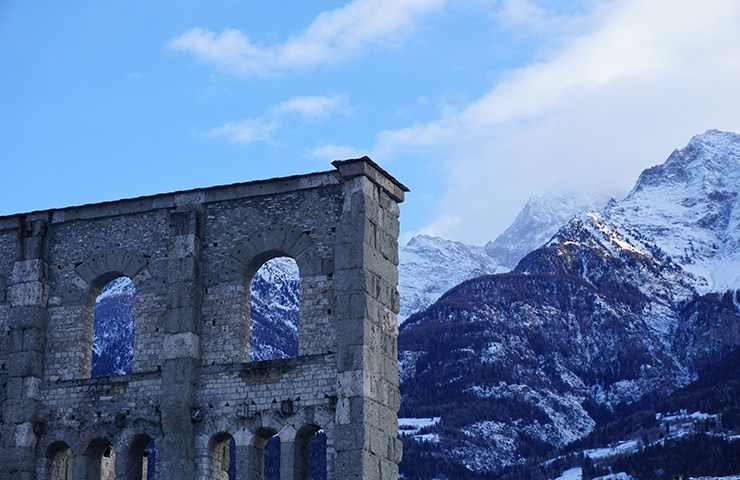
x: 59, y: 458
x: 101, y: 460
x: 310, y: 453
x: 142, y: 459
x: 272, y: 458
x: 113, y: 329
x: 275, y: 303
x: 317, y: 456
x: 223, y: 457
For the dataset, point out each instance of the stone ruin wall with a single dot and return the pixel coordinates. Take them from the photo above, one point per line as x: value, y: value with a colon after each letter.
x: 191, y: 256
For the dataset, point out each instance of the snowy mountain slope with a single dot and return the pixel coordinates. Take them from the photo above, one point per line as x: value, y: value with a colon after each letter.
x: 429, y: 266
x: 274, y: 309
x: 690, y: 207
x: 541, y: 217
x: 553, y: 367
x: 113, y: 332
x: 518, y: 363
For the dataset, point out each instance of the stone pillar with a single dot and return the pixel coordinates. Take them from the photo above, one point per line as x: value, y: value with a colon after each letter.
x: 288, y: 454
x: 79, y: 466
x: 366, y: 279
x: 24, y: 360
x: 250, y: 462
x: 181, y: 347
x: 244, y: 455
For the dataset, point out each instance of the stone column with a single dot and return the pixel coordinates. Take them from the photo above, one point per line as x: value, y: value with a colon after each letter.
x: 181, y: 347
x: 289, y: 454
x: 250, y: 463
x: 366, y: 278
x: 247, y: 456
x: 24, y: 360
x: 79, y: 466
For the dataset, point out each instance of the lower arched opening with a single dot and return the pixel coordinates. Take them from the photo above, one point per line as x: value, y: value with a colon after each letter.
x: 101, y: 460
x: 59, y: 461
x: 142, y: 459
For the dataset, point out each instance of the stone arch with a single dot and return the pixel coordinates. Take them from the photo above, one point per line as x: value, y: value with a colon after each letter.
x: 137, y: 461
x: 221, y: 456
x: 99, y: 269
x: 315, y: 272
x: 310, y: 423
x: 277, y: 241
x: 59, y: 458
x: 94, y: 273
x: 100, y: 456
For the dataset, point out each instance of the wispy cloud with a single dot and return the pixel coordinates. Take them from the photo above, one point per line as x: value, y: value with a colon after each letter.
x: 335, y: 152
x: 633, y: 81
x: 245, y: 131
x: 332, y: 36
x: 261, y: 128
x: 314, y: 107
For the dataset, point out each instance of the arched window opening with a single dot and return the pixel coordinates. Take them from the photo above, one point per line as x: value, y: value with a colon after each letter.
x: 310, y: 454
x: 59, y: 462
x: 223, y: 457
x: 142, y: 459
x: 271, y: 457
x: 113, y: 329
x: 317, y: 456
x: 101, y: 460
x: 275, y: 303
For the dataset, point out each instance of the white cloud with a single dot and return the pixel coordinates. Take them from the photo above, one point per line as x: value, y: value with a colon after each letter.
x: 610, y: 101
x: 313, y: 107
x: 335, y: 152
x: 245, y: 131
x: 260, y: 129
x: 332, y: 36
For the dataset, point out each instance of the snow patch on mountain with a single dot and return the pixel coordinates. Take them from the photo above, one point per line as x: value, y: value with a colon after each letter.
x: 121, y: 286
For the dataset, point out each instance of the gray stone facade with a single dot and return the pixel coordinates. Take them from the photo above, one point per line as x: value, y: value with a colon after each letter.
x: 191, y: 256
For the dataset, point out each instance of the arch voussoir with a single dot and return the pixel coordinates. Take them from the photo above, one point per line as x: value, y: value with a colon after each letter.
x: 101, y: 267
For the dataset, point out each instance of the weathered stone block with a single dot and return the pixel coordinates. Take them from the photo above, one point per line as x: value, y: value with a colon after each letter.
x: 26, y: 364
x: 28, y: 293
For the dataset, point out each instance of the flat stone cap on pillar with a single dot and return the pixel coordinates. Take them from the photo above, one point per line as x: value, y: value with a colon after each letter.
x: 367, y: 167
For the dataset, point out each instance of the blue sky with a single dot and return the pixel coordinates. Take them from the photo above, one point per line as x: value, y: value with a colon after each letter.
x: 476, y: 104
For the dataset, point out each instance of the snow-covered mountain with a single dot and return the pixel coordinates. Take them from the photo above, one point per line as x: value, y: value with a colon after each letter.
x: 274, y: 309
x: 608, y: 312
x: 542, y: 216
x: 429, y: 266
x: 690, y: 207
x: 113, y: 332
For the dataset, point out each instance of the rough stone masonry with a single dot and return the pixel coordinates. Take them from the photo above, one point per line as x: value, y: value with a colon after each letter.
x: 193, y: 390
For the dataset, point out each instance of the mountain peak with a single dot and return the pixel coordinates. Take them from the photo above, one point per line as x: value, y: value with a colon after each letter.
x: 713, y: 138
x: 690, y: 207
x: 711, y: 161
x: 538, y: 221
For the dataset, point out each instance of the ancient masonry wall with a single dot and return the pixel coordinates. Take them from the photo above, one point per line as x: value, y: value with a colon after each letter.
x: 191, y: 256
